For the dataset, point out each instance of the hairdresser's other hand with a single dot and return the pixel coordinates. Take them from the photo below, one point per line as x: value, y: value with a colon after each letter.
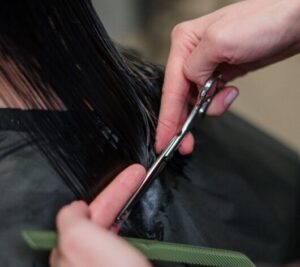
x: 85, y: 234
x: 233, y: 40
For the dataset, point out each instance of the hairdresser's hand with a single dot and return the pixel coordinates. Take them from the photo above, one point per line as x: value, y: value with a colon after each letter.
x: 234, y: 40
x: 85, y: 234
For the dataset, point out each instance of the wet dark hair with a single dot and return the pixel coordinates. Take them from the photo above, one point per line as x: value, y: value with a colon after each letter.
x: 101, y: 104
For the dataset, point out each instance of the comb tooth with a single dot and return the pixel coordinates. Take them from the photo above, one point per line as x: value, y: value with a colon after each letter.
x: 158, y: 251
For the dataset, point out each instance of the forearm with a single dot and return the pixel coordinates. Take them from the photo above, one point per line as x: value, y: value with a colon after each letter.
x: 291, y: 23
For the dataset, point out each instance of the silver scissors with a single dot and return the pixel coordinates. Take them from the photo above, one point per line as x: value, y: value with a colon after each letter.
x: 205, y: 96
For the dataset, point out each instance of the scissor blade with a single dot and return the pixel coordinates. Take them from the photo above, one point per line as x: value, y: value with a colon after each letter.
x: 208, y: 91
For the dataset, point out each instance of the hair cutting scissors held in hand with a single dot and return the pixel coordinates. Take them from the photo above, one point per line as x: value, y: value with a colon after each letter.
x: 205, y: 96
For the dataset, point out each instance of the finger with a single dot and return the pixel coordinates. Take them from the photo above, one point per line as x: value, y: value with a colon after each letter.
x: 54, y: 258
x: 187, y: 145
x: 113, y: 249
x: 220, y: 104
x: 201, y: 63
x: 172, y: 105
x: 72, y: 214
x: 223, y: 100
x: 115, y: 228
x: 109, y: 202
x: 175, y: 92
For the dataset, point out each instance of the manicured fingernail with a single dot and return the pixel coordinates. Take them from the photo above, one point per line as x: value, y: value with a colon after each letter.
x: 230, y: 98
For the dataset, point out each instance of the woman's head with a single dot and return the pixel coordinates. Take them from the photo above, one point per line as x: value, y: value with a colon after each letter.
x: 56, y: 55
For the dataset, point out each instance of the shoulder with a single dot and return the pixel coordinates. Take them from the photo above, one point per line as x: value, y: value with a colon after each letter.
x: 31, y: 194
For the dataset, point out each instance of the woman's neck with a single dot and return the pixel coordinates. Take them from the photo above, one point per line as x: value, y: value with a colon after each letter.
x: 18, y: 93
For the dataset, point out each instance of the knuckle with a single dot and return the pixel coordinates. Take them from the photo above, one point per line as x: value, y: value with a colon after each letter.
x: 179, y: 30
x: 222, y: 44
x: 69, y: 239
x: 176, y: 96
x: 198, y: 77
x: 62, y: 213
x: 190, y: 73
x: 170, y: 125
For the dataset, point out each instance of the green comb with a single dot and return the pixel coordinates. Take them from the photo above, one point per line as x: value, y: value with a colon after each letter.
x: 157, y: 250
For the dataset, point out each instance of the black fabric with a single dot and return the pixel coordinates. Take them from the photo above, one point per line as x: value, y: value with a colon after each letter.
x: 239, y: 190
x: 31, y: 194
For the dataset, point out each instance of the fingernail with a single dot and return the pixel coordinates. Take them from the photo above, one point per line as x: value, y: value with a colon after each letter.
x: 230, y: 98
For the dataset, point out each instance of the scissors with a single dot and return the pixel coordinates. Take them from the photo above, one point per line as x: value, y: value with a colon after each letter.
x: 204, y: 98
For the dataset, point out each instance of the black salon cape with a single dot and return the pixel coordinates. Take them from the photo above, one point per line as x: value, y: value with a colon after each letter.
x: 239, y: 190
